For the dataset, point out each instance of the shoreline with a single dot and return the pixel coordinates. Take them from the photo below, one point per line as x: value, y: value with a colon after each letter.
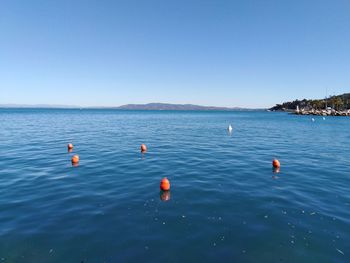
x: 322, y: 112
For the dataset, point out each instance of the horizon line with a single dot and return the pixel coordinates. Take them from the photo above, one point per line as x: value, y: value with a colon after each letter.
x: 65, y: 106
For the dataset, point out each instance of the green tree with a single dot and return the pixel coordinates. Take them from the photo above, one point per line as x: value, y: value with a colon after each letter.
x: 338, y: 103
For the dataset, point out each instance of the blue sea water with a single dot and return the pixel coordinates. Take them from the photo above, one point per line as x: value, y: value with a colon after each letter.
x: 225, y: 202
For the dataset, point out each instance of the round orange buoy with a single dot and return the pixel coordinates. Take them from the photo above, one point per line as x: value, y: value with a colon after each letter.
x: 164, y: 184
x: 70, y: 146
x: 143, y: 148
x: 276, y: 163
x: 75, y: 159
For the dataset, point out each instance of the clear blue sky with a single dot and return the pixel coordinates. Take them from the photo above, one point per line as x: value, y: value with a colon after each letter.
x: 224, y: 53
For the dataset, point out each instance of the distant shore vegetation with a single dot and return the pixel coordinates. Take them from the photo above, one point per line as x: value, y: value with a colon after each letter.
x: 337, y: 102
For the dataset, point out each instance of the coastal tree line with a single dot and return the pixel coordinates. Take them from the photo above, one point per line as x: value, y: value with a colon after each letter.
x: 338, y: 102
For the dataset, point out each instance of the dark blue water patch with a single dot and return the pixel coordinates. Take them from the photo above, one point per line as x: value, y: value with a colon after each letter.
x: 226, y: 204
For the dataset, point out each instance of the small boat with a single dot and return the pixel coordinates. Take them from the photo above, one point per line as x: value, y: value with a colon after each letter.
x: 230, y: 128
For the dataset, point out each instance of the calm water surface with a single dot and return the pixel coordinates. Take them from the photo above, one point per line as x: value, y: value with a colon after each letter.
x: 226, y: 204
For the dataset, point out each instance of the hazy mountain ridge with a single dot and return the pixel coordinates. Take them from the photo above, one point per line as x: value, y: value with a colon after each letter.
x: 168, y: 106
x: 148, y: 106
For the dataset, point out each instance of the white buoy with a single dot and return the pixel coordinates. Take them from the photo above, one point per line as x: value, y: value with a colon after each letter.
x: 312, y: 119
x: 324, y: 118
x: 230, y: 128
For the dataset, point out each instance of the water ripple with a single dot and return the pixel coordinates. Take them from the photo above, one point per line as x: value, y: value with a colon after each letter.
x: 225, y: 200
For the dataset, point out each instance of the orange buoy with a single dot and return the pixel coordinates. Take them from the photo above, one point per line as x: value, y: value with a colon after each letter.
x: 164, y: 184
x: 276, y: 163
x: 143, y: 148
x: 75, y: 159
x: 70, y: 147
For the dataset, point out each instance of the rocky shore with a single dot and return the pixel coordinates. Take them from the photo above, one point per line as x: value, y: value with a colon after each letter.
x: 330, y: 112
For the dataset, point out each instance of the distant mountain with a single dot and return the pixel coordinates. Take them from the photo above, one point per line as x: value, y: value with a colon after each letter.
x: 149, y: 106
x: 167, y: 106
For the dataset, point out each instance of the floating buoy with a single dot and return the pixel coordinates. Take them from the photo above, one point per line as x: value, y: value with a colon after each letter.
x: 70, y: 147
x: 312, y: 119
x: 164, y: 184
x: 143, y: 148
x: 324, y: 118
x: 75, y: 159
x: 230, y: 128
x: 276, y: 163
